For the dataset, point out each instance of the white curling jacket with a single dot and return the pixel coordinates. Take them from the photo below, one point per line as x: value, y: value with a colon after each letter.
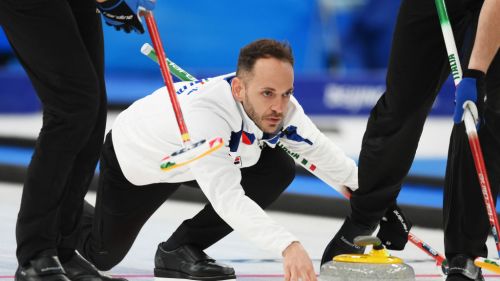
x: 147, y: 131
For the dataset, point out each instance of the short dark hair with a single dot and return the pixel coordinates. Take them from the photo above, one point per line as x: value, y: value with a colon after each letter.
x: 263, y: 48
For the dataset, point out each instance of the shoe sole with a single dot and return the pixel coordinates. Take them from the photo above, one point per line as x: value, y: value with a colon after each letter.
x: 176, y: 275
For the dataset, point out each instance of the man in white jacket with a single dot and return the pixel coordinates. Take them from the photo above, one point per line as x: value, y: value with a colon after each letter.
x: 253, y: 111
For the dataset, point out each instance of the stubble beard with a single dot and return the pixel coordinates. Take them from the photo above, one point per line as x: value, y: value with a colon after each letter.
x: 249, y: 109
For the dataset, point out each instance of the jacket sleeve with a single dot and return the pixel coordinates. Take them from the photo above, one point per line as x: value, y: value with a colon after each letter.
x: 220, y: 181
x: 320, y: 155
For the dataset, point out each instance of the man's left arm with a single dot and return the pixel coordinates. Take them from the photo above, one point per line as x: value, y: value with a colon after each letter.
x: 319, y: 155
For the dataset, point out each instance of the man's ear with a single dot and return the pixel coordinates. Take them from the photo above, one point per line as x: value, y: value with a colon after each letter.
x: 237, y: 89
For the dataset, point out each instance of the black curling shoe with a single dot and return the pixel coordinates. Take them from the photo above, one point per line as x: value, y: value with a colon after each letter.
x: 189, y: 263
x: 79, y: 269
x: 42, y: 268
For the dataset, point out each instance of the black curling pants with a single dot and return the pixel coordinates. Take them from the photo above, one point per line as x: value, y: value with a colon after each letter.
x: 122, y: 208
x: 417, y: 68
x: 60, y: 45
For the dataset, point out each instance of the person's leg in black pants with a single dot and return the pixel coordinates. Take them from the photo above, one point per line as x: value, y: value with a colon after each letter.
x: 263, y: 183
x: 48, y: 41
x: 418, y: 66
x: 121, y: 210
x: 466, y: 222
x: 89, y: 24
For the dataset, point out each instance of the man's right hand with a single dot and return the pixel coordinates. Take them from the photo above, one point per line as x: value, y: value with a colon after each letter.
x: 297, y: 264
x: 123, y: 14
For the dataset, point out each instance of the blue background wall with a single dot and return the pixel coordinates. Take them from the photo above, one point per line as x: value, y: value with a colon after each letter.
x: 205, y: 36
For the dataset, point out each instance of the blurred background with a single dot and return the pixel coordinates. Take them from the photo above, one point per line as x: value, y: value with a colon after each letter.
x: 341, y: 49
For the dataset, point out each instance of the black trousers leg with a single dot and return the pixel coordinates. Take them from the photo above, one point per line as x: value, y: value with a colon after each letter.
x: 263, y: 183
x: 49, y: 43
x: 465, y: 219
x: 89, y: 24
x: 121, y: 210
x: 417, y: 68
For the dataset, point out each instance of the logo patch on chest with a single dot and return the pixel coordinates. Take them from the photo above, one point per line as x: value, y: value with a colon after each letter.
x: 237, y: 161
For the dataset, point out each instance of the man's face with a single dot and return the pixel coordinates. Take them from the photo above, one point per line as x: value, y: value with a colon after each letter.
x: 265, y: 92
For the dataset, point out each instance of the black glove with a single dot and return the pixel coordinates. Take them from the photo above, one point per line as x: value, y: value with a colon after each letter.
x: 123, y: 14
x: 394, y: 229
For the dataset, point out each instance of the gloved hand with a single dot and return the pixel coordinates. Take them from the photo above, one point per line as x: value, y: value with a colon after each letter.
x: 123, y: 14
x: 468, y: 89
x: 394, y: 229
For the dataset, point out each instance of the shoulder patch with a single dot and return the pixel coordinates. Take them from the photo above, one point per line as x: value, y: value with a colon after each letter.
x: 290, y: 133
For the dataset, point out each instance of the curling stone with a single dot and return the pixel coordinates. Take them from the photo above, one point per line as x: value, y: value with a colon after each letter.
x: 377, y: 265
